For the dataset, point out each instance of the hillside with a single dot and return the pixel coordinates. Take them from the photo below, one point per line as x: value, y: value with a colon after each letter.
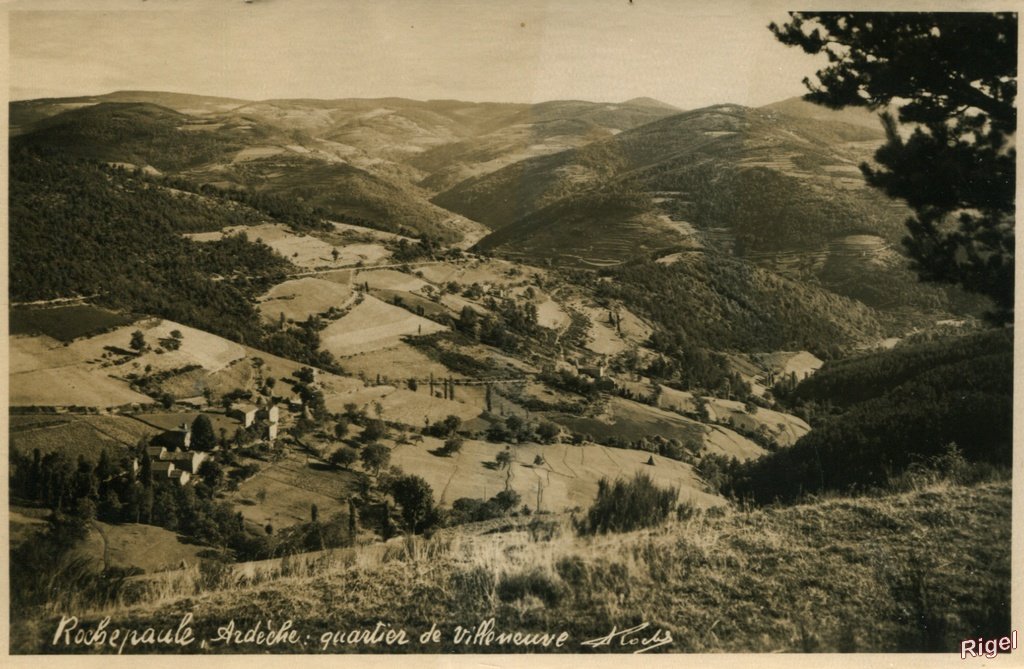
x: 674, y: 157
x: 720, y: 303
x: 878, y: 416
x: 871, y: 563
x: 236, y: 152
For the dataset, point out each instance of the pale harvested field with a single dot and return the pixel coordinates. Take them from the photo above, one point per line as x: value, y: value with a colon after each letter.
x: 71, y: 386
x: 373, y: 325
x: 551, y: 315
x: 302, y: 250
x: 45, y: 372
x: 201, y: 348
x: 256, y: 152
x: 676, y: 400
x: 784, y: 428
x: 485, y: 272
x: 351, y: 254
x: 800, y: 362
x: 397, y: 362
x: 197, y: 347
x: 299, y: 299
x: 400, y: 405
x: 281, y: 368
x: 723, y: 441
x: 417, y: 408
x: 378, y: 234
x: 567, y: 478
x: 390, y: 279
x: 601, y: 337
x: 239, y: 374
x: 631, y: 420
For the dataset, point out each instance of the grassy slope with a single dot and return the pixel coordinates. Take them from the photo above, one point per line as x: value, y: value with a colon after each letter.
x: 839, y: 574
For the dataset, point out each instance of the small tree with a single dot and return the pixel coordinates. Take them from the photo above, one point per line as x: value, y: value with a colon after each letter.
x: 344, y: 457
x: 452, y: 445
x: 138, y: 342
x: 203, y: 436
x: 375, y: 456
x: 504, y: 459
x: 416, y: 498
x: 341, y: 428
x: 547, y: 431
x: 374, y: 430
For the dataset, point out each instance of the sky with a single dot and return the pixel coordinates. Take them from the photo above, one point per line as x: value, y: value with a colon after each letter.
x: 684, y: 53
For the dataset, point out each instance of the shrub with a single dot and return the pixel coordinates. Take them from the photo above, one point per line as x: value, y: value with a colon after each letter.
x: 416, y: 498
x: 344, y: 457
x: 535, y: 582
x: 452, y: 445
x: 624, y: 506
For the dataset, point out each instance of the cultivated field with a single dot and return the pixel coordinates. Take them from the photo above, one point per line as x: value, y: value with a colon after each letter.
x: 302, y: 250
x: 281, y: 493
x: 551, y: 315
x: 373, y: 325
x: 403, y: 406
x: 389, y: 279
x: 567, y: 479
x: 171, y: 420
x: 396, y: 362
x: 299, y: 299
x: 490, y: 272
x: 631, y: 421
x: 70, y: 386
x: 76, y: 435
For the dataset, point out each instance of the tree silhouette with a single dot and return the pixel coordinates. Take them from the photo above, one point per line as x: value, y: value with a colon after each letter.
x: 203, y: 436
x: 416, y: 498
x: 375, y: 456
x: 952, y: 77
x: 138, y: 342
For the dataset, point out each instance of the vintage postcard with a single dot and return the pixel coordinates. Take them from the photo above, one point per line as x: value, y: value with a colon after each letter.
x: 467, y: 332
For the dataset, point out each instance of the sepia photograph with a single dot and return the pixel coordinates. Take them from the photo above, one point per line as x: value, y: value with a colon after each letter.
x: 617, y: 327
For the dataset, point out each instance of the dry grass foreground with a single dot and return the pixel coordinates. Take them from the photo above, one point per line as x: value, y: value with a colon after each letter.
x: 908, y: 571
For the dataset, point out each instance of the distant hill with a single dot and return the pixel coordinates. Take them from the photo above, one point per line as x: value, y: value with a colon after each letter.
x: 797, y: 107
x: 766, y: 181
x: 651, y: 102
x: 23, y: 113
x: 235, y: 152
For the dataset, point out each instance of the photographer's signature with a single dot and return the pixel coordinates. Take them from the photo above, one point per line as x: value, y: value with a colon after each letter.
x: 633, y: 636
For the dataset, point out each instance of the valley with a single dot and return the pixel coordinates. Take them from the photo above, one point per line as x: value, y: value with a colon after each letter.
x: 258, y: 333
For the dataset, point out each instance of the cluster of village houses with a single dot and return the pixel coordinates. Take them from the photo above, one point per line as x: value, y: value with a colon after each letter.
x: 171, y: 454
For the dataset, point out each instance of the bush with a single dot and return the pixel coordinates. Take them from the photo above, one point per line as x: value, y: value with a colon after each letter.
x: 344, y: 457
x: 416, y: 498
x: 535, y: 582
x: 624, y: 506
x: 452, y: 445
